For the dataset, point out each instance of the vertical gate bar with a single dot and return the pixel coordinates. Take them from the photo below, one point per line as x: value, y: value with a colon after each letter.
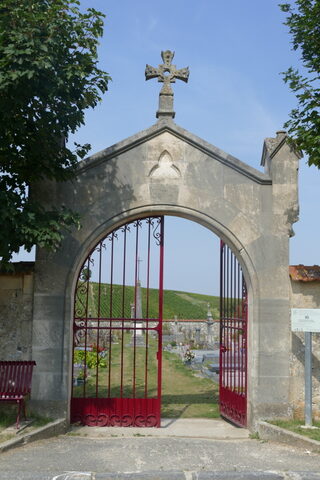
x: 237, y: 331
x: 233, y: 296
x: 228, y: 319
x: 221, y: 369
x: 239, y: 337
x: 110, y: 313
x: 73, y: 334
x: 240, y: 315
x: 234, y: 324
x: 86, y: 329
x: 98, y: 314
x: 224, y: 311
x: 243, y: 334
x: 136, y: 279
x: 246, y: 325
x: 245, y: 312
x: 245, y: 317
x: 122, y: 308
x: 160, y: 308
x: 236, y: 321
x: 241, y: 324
x: 147, y: 310
x: 231, y: 366
x: 243, y: 342
x: 232, y: 320
x: 242, y: 350
x: 225, y: 315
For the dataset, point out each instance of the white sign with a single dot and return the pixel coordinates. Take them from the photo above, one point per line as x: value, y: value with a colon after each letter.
x: 305, y: 319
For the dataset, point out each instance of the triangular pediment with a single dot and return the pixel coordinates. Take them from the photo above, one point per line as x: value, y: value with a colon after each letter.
x: 183, y: 135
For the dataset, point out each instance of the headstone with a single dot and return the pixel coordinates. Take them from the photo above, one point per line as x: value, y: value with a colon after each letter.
x: 136, y: 313
x: 210, y: 336
x: 197, y: 336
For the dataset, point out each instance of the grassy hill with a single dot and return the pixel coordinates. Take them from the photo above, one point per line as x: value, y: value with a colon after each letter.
x: 184, y: 305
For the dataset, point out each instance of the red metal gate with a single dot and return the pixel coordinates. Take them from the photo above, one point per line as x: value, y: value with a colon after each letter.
x: 233, y: 339
x: 117, y: 329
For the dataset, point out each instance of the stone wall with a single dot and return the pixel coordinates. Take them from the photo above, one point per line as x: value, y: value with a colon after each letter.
x: 194, y: 331
x: 16, y: 303
x: 305, y: 294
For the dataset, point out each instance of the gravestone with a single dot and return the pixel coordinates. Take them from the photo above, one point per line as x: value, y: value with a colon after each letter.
x: 136, y: 313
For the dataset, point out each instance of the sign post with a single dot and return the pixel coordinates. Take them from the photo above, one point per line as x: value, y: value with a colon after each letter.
x: 308, y: 379
x: 306, y: 320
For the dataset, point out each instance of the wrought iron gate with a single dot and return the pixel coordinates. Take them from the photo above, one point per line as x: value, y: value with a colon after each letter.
x: 117, y: 329
x: 233, y: 338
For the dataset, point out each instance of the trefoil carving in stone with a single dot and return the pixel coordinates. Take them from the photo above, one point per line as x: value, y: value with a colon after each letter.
x: 165, y: 167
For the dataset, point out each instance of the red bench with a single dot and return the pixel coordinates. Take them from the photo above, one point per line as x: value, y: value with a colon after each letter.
x: 15, y: 383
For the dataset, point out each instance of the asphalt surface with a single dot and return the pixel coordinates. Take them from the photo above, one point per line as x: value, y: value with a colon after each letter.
x: 150, y: 458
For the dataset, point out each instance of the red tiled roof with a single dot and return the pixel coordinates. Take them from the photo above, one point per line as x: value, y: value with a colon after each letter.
x: 303, y: 273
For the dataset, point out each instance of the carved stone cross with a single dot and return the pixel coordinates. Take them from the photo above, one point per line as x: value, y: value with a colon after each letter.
x: 167, y: 74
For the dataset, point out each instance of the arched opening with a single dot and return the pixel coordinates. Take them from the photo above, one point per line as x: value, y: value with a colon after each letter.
x: 121, y: 317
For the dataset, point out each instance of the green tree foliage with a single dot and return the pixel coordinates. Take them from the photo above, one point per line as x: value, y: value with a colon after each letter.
x: 303, y: 20
x: 49, y: 76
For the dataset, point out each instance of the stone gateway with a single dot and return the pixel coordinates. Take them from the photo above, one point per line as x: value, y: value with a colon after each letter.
x: 166, y: 170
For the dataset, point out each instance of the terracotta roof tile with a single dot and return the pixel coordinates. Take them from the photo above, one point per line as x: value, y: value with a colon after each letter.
x: 303, y: 273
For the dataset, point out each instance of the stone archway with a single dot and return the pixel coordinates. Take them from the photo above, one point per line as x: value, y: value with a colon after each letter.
x: 251, y: 211
x: 123, y: 396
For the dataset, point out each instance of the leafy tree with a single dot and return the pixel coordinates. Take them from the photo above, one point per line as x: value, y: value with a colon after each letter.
x: 303, y: 20
x: 49, y: 76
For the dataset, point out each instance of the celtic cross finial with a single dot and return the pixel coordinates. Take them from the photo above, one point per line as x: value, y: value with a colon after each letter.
x: 167, y: 74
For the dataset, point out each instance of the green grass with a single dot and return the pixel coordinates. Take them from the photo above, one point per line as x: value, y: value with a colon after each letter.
x: 183, y: 394
x: 295, y: 426
x: 8, y: 417
x: 182, y: 304
x: 134, y: 363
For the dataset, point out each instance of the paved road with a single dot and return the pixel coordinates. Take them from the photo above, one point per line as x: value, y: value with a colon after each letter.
x: 170, y: 458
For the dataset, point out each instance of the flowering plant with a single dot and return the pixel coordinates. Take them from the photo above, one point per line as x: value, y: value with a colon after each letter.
x: 188, y: 356
x: 94, y: 357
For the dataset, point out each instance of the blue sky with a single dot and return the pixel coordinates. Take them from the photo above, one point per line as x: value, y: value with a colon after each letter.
x: 234, y: 99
